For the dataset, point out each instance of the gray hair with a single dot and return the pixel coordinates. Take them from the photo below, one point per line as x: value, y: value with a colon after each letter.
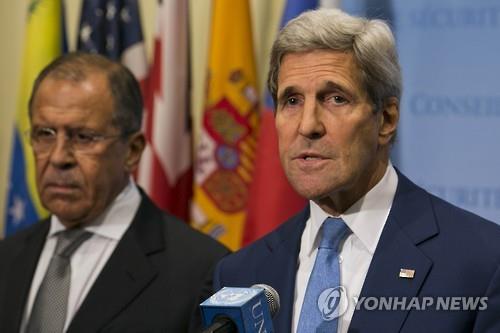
x: 125, y: 89
x: 370, y: 41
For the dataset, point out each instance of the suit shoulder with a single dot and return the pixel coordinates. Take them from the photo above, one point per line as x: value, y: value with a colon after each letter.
x: 16, y: 239
x: 11, y: 246
x: 238, y: 268
x: 473, y: 228
x: 446, y: 211
x: 178, y: 235
x: 247, y: 254
x: 252, y: 254
x: 454, y: 224
x: 184, y: 236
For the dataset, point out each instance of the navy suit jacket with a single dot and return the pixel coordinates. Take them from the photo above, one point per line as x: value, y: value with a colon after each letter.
x: 453, y: 253
x: 153, y: 281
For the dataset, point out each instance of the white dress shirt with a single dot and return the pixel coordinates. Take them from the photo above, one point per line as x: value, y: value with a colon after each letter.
x: 89, y: 259
x: 366, y: 219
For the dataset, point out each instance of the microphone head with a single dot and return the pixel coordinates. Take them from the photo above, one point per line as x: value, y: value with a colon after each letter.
x: 273, y: 299
x: 248, y: 309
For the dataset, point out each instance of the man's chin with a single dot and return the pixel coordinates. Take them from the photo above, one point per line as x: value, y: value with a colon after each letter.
x: 71, y: 220
x: 69, y: 217
x: 309, y: 193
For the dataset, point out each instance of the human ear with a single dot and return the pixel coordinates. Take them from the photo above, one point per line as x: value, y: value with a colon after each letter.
x: 389, y: 118
x: 136, y: 144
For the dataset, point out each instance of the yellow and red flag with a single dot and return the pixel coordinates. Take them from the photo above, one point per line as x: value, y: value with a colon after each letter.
x: 227, y: 143
x: 270, y: 187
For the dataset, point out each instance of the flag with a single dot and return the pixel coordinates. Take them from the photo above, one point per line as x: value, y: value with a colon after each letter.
x: 43, y: 43
x: 227, y: 143
x: 113, y: 28
x: 272, y: 199
x: 165, y: 170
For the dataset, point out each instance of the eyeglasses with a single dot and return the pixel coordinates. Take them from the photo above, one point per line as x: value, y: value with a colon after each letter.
x: 43, y: 140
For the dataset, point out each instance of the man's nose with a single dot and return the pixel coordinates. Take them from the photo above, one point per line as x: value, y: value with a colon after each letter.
x: 311, y: 122
x: 61, y: 154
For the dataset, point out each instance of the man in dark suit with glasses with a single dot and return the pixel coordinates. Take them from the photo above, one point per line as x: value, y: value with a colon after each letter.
x: 107, y: 258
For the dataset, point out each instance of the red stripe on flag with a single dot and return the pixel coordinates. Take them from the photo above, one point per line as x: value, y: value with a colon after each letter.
x: 272, y: 199
x: 174, y: 198
x: 165, y: 170
x: 154, y: 85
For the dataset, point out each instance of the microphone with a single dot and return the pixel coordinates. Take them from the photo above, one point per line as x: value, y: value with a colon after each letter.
x: 244, y: 310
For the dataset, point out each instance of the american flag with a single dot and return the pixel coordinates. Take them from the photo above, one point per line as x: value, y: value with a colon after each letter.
x: 112, y: 28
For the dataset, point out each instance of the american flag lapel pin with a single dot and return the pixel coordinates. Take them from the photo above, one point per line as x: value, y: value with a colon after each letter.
x: 406, y: 273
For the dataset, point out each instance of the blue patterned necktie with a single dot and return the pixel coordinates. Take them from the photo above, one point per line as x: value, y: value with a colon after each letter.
x: 48, y: 314
x: 320, y: 308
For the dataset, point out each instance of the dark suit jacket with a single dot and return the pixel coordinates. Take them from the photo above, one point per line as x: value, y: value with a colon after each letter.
x: 151, y: 283
x: 453, y: 253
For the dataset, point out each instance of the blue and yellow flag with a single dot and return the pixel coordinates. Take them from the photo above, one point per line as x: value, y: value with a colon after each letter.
x: 43, y: 43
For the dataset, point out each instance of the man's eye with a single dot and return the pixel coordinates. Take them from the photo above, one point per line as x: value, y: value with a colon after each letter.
x: 338, y: 99
x: 84, y: 138
x: 44, y: 134
x: 292, y: 101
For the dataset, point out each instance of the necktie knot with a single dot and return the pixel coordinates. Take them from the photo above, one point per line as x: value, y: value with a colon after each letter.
x: 334, y: 231
x: 69, y: 240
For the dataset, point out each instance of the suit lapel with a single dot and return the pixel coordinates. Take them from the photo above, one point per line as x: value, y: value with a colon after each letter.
x: 279, y: 268
x: 410, y: 222
x: 21, y: 274
x: 127, y: 272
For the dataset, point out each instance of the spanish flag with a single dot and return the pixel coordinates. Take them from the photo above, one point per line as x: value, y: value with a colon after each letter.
x: 227, y: 142
x: 43, y: 43
x: 266, y: 210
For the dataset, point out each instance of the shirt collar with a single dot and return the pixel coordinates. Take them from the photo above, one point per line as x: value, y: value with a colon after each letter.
x: 366, y: 217
x: 116, y: 218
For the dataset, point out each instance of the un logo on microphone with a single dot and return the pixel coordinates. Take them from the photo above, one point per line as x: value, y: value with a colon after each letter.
x: 330, y: 305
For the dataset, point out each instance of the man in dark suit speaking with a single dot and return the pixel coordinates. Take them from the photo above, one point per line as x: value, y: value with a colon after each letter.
x: 372, y: 252
x: 107, y: 259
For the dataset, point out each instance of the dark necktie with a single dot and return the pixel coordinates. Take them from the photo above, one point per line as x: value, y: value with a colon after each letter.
x: 48, y: 314
x: 321, y: 301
